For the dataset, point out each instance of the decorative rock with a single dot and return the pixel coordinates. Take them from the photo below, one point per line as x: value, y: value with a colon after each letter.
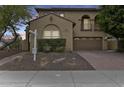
x: 58, y: 60
x: 18, y: 58
x: 43, y: 61
x: 74, y: 58
x: 44, y: 58
x: 71, y: 63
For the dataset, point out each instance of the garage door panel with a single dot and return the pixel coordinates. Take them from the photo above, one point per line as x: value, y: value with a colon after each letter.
x: 88, y: 44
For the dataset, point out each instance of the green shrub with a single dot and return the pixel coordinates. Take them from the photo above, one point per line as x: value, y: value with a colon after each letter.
x: 120, y: 50
x: 59, y: 49
x: 120, y: 45
x: 46, y: 48
x: 51, y: 45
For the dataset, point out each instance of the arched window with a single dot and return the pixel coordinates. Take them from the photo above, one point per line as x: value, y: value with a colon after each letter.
x: 51, y: 32
x: 85, y: 23
x: 96, y: 25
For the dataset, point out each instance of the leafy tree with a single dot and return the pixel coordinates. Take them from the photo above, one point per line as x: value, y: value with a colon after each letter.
x: 11, y: 17
x: 111, y: 20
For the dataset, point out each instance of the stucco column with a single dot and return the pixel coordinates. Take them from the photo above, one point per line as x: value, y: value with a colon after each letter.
x: 92, y: 25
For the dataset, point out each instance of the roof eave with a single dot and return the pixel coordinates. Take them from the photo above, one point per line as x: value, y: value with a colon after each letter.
x: 67, y: 9
x: 53, y: 14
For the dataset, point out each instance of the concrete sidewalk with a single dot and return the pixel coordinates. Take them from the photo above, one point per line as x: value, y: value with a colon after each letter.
x: 61, y: 78
x: 104, y: 60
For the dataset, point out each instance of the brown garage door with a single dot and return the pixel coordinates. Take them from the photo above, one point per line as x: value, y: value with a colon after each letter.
x: 88, y: 43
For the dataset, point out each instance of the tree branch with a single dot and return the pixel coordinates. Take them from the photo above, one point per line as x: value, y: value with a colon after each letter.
x: 3, y: 33
x: 15, y: 38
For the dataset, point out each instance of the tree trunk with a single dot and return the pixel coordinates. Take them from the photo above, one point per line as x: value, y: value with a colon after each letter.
x: 2, y: 34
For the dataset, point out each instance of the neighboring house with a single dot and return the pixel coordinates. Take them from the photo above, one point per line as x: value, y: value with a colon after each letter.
x: 77, y: 26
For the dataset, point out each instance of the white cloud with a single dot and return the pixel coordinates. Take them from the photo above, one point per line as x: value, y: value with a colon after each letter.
x: 22, y: 34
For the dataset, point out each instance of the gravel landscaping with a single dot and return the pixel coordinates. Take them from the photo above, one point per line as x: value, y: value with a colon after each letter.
x: 48, y: 61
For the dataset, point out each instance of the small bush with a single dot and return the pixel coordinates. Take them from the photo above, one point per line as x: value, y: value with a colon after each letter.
x: 51, y: 45
x: 120, y: 50
x: 59, y: 49
x: 120, y: 45
x: 46, y: 48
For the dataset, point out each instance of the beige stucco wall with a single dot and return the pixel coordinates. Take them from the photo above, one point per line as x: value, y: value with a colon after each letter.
x: 76, y: 16
x: 64, y: 26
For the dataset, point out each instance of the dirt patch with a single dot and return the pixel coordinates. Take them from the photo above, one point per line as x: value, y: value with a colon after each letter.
x: 5, y: 53
x: 49, y: 61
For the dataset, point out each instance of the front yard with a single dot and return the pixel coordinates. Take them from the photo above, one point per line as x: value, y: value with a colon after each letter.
x: 48, y: 61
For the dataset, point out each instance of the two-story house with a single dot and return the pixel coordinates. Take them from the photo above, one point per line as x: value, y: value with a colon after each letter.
x: 77, y: 25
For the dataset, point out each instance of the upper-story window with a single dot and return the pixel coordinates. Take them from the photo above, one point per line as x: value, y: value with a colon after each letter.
x: 85, y: 23
x: 96, y: 25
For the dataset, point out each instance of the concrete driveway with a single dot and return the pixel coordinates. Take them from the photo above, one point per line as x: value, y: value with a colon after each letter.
x: 61, y: 78
x: 104, y: 60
